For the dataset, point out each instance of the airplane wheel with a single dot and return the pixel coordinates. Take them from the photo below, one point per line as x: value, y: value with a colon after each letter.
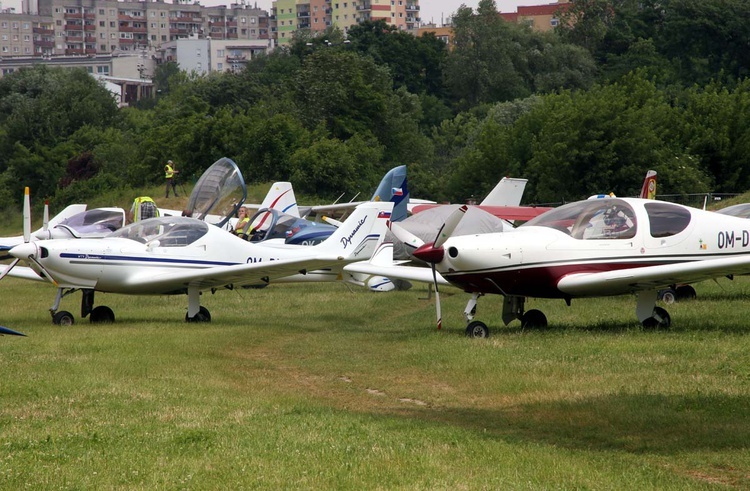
x: 660, y: 320
x: 203, y: 315
x: 63, y: 318
x: 534, y: 319
x: 685, y: 292
x: 477, y: 329
x: 668, y: 296
x: 102, y: 315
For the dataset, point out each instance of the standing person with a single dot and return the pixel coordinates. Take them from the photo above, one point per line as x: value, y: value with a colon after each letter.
x: 169, y: 173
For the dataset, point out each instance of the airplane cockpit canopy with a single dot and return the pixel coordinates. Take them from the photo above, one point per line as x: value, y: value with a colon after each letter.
x: 164, y: 232
x: 607, y: 218
x: 220, y: 191
x: 96, y: 222
x: 742, y: 210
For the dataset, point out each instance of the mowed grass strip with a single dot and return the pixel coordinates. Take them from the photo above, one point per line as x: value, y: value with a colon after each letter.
x: 322, y: 386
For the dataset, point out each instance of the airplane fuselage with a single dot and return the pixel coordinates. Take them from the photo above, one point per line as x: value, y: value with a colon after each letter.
x: 533, y: 259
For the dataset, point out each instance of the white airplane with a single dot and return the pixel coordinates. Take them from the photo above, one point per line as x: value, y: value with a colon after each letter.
x: 180, y: 255
x: 590, y: 248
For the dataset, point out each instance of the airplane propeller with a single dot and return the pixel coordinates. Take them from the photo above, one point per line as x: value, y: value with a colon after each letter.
x: 28, y: 247
x: 434, y: 253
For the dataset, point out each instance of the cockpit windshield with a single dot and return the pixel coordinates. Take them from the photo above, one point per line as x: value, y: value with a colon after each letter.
x: 96, y: 222
x: 607, y: 218
x: 168, y: 231
x: 220, y: 191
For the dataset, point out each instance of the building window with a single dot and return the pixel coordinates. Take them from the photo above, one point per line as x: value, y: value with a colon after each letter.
x: 103, y: 47
x: 554, y: 22
x: 101, y: 11
x: 220, y: 53
x: 25, y: 25
x: 220, y: 66
x: 102, y: 23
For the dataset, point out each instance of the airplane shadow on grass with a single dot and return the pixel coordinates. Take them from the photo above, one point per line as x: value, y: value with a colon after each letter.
x: 634, y: 423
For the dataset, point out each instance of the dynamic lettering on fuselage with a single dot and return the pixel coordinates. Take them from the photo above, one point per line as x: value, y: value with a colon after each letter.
x: 346, y: 241
x: 730, y: 240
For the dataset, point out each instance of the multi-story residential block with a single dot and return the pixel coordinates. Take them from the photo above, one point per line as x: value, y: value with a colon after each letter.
x: 204, y: 55
x: 88, y: 27
x: 541, y: 18
x: 290, y: 16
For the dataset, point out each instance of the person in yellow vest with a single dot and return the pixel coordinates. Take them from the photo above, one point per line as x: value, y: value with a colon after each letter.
x: 169, y: 173
x: 143, y: 207
x: 243, y: 221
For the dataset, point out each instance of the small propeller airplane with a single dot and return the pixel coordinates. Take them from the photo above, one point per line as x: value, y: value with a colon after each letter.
x: 592, y: 248
x: 181, y: 255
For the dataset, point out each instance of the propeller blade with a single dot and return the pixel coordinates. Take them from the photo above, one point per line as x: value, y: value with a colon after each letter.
x: 409, y: 240
x: 449, y: 226
x: 10, y: 266
x: 5, y: 330
x: 437, y: 299
x: 45, y: 222
x: 26, y: 215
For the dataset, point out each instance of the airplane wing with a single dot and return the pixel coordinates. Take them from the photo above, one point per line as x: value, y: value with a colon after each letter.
x: 523, y: 213
x: 237, y: 275
x: 25, y: 273
x: 396, y: 271
x: 652, y: 277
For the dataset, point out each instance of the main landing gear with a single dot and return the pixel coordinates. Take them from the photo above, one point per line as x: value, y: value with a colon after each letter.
x: 104, y: 315
x: 513, y: 308
x: 97, y: 315
x: 649, y: 315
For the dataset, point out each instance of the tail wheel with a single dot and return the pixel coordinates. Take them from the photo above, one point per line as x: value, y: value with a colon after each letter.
x: 63, y: 318
x: 477, y: 329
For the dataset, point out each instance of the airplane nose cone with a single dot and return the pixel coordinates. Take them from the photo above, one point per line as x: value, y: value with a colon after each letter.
x: 429, y: 253
x: 23, y: 251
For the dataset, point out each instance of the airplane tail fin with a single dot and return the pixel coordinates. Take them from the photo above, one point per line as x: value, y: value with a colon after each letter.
x: 508, y: 192
x: 361, y: 234
x: 393, y: 187
x: 648, y: 191
x: 281, y: 197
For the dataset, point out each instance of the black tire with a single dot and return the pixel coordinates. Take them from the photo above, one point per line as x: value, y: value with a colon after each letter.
x: 203, y: 315
x: 685, y: 292
x: 534, y: 319
x: 102, y: 315
x: 477, y: 329
x: 660, y: 320
x: 668, y: 296
x: 63, y: 318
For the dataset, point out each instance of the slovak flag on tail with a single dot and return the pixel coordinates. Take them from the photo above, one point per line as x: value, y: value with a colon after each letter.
x: 397, y: 191
x: 384, y: 214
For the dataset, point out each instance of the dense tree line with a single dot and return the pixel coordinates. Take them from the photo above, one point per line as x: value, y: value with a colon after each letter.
x: 622, y: 86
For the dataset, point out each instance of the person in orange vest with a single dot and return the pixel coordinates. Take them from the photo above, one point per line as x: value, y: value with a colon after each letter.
x: 169, y: 173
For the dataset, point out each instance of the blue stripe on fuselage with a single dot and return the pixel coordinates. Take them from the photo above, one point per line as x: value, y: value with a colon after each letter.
x: 103, y: 257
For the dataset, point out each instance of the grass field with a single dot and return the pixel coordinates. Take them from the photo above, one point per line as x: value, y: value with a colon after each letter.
x: 326, y: 387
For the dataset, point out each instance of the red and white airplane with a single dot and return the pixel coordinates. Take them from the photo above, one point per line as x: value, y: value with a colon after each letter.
x: 591, y: 248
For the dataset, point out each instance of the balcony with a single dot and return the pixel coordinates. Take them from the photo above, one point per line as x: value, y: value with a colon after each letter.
x: 73, y: 27
x: 45, y: 44
x: 43, y: 31
x: 90, y: 51
x: 70, y: 51
x: 89, y: 39
x: 73, y: 39
x: 217, y: 24
x: 77, y: 15
x: 127, y: 41
x: 89, y: 27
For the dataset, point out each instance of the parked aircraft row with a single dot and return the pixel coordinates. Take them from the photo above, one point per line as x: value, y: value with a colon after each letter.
x: 596, y: 247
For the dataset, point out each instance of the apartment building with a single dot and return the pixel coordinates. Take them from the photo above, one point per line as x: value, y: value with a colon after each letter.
x: 88, y: 27
x: 290, y: 16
